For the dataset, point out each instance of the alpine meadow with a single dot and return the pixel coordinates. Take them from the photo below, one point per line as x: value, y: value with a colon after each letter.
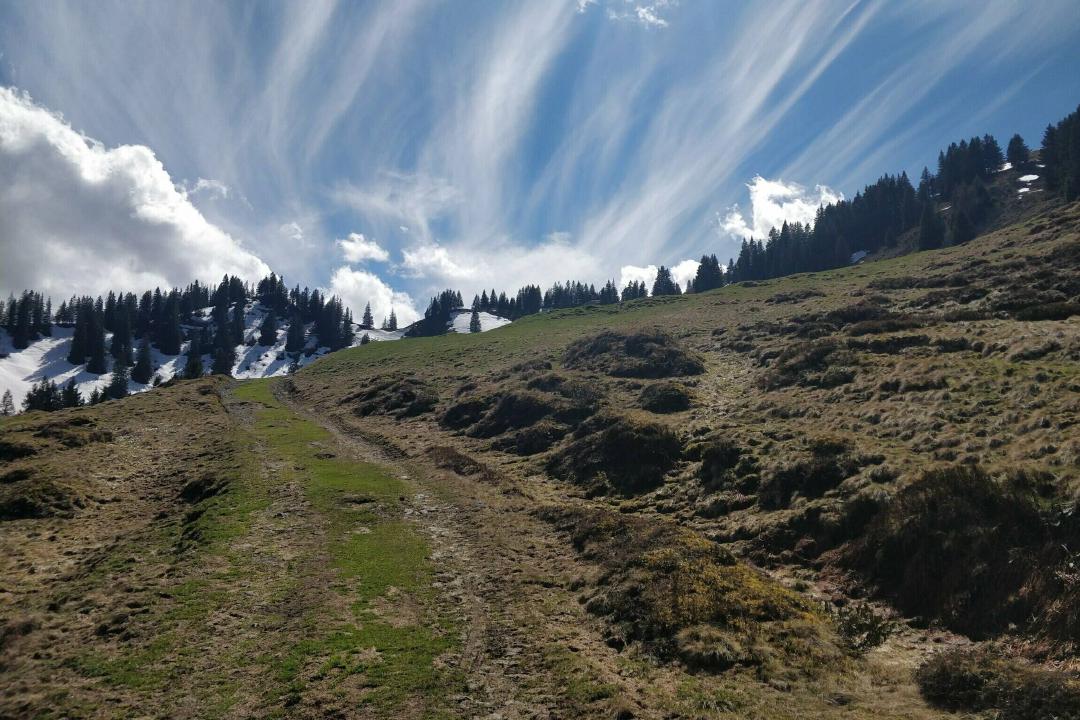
x: 554, y: 359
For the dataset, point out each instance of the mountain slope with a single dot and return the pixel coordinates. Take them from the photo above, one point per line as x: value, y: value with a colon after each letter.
x: 773, y: 500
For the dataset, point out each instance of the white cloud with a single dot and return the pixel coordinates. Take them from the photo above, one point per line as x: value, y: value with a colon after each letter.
x: 359, y: 287
x: 682, y: 272
x: 415, y: 200
x: 648, y: 14
x: 357, y: 249
x: 213, y: 188
x: 78, y: 217
x: 774, y: 202
x: 432, y: 261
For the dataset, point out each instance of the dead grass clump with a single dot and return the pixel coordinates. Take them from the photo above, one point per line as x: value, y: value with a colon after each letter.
x: 819, y: 363
x: 640, y: 355
x: 1035, y: 352
x: 38, y: 498
x: 462, y: 414
x: 14, y: 450
x: 889, y: 345
x: 203, y: 487
x: 794, y: 296
x: 73, y: 432
x: 523, y: 408
x: 625, y: 457
x: 665, y: 397
x: 887, y: 324
x: 977, y: 680
x: 812, y: 477
x: 447, y: 458
x: 532, y: 440
x: 1049, y: 311
x: 396, y: 397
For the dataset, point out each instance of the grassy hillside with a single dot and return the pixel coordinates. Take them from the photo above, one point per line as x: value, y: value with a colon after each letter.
x: 845, y: 494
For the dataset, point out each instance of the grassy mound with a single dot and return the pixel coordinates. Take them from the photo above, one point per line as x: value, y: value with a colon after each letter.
x: 639, y: 355
x: 665, y: 397
x: 397, y: 397
x: 686, y: 597
x: 626, y: 457
x: 974, y: 552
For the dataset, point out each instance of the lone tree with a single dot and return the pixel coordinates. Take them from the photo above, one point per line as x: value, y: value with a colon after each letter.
x: 367, y: 322
x: 1017, y: 152
x: 391, y: 324
x: 474, y: 322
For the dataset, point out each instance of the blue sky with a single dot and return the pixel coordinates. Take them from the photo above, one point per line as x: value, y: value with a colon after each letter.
x: 385, y: 150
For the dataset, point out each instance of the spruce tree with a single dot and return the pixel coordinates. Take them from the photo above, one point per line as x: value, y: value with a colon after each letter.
x: 193, y: 368
x: 664, y: 285
x: 143, y: 366
x: 118, y: 384
x: 96, y: 338
x: 391, y: 324
x: 96, y: 396
x: 268, y: 330
x: 474, y: 322
x: 223, y: 361
x: 1017, y: 152
x: 367, y: 321
x: 70, y: 396
x: 7, y: 404
x: 364, y: 339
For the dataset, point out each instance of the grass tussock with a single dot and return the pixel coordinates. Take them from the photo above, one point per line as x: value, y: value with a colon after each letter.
x: 687, y: 598
x: 398, y: 397
x: 978, y: 680
x: 665, y: 397
x: 624, y: 457
x: 637, y: 355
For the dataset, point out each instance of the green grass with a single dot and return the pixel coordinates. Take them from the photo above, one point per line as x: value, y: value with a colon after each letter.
x: 380, y: 561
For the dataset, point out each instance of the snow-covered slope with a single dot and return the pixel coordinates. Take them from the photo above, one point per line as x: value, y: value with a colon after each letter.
x: 47, y: 357
x: 461, y: 319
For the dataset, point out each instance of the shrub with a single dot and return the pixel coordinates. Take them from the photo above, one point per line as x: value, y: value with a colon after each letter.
x: 1049, y: 311
x: 863, y: 628
x: 810, y: 364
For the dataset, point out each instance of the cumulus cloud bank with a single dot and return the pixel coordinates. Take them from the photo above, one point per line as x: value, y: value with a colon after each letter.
x: 357, y: 249
x: 774, y: 202
x: 683, y: 272
x: 358, y: 287
x: 80, y: 217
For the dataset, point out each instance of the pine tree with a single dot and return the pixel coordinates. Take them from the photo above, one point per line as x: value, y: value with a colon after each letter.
x: 391, y: 324
x: 96, y: 396
x: 223, y: 361
x: 143, y: 365
x: 193, y: 368
x: 474, y: 322
x: 268, y: 330
x: 1017, y: 152
x: 664, y: 285
x: 7, y: 404
x: 367, y: 321
x: 70, y: 396
x: 961, y: 229
x: 364, y: 339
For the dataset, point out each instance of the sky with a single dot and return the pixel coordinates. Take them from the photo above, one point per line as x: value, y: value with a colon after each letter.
x: 385, y: 150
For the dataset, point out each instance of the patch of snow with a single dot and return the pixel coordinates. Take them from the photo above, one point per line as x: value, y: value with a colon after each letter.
x: 1006, y: 166
x: 1028, y: 178
x: 1021, y: 191
x: 460, y: 322
x: 857, y: 256
x: 1039, y: 165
